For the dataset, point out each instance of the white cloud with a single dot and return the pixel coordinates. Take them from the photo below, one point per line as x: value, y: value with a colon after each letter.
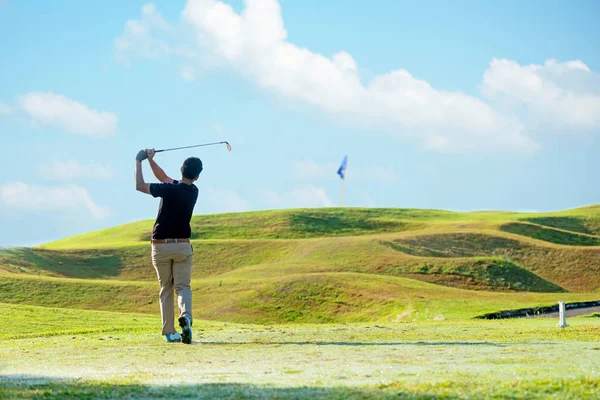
x: 219, y: 200
x: 310, y: 196
x: 59, y: 111
x: 311, y: 170
x: 369, y: 202
x: 302, y: 196
x: 138, y: 39
x: 149, y: 37
x: 270, y: 197
x: 255, y: 44
x: 41, y: 199
x: 378, y: 173
x: 344, y: 61
x: 223, y: 200
x: 72, y: 170
x: 557, y: 95
x: 187, y: 73
x: 5, y: 109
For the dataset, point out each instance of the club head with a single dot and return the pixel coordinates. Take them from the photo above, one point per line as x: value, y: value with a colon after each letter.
x: 228, y: 146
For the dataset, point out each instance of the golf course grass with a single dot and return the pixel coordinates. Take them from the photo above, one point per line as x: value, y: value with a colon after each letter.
x: 337, y: 303
x: 48, y: 352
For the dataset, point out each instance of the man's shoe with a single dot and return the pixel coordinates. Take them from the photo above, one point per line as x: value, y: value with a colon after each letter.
x: 173, y: 337
x: 186, y: 329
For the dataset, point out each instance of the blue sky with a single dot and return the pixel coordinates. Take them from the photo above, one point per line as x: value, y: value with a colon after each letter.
x: 463, y: 106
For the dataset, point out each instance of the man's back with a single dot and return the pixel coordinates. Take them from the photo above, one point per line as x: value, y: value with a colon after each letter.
x: 175, y: 211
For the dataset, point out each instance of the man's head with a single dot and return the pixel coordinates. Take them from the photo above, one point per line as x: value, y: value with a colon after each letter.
x: 191, y: 168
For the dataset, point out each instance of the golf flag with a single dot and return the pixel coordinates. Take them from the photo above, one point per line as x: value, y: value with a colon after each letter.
x: 342, y: 171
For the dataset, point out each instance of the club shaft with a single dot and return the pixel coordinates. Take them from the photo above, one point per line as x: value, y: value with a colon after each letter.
x: 189, y: 147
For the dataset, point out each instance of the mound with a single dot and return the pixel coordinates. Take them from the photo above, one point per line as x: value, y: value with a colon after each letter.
x: 462, y: 244
x: 314, y: 298
x: 278, y: 224
x: 325, y: 265
x: 551, y: 235
x: 573, y: 224
x: 571, y: 268
x: 263, y: 259
x: 492, y: 274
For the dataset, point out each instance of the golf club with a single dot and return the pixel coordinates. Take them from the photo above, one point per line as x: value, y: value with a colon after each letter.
x: 197, y: 145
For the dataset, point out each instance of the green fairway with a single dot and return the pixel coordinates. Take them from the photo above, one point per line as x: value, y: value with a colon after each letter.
x: 527, y: 358
x: 338, y: 303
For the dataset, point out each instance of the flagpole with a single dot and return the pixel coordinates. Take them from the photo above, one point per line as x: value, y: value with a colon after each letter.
x: 343, y: 188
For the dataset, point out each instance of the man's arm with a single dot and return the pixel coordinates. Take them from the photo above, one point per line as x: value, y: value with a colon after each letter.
x: 140, y: 185
x: 159, y: 173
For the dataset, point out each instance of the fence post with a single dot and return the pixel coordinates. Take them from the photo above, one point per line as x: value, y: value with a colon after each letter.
x: 562, y: 315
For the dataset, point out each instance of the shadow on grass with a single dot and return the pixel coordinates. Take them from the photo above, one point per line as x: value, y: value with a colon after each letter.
x: 95, y: 264
x: 27, y: 387
x: 551, y: 235
x: 336, y: 223
x: 356, y: 344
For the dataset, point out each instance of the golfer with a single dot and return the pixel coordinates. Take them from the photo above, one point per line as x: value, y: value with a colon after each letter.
x: 171, y: 248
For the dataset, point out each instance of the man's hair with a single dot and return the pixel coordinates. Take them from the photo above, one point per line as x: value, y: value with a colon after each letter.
x: 191, y: 168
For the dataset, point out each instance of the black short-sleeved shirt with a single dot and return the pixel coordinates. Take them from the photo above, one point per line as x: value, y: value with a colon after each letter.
x: 175, y: 210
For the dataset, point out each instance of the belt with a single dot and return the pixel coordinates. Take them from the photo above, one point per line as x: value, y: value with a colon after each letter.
x: 159, y: 241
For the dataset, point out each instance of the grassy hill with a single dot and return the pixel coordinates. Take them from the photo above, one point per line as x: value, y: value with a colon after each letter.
x: 327, y: 265
x: 335, y: 222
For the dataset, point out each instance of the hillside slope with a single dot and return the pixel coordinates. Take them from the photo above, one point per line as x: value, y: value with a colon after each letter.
x: 326, y: 265
x: 336, y: 222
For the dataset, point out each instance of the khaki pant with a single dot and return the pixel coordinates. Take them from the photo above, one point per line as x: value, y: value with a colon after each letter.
x: 173, y: 264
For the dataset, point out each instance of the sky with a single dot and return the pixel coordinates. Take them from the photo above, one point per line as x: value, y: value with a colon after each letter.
x: 449, y: 105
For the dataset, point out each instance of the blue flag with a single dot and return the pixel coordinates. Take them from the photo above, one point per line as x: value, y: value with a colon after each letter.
x: 342, y: 171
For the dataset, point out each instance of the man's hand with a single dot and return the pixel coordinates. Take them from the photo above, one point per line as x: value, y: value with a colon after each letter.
x: 141, y: 155
x: 151, y: 153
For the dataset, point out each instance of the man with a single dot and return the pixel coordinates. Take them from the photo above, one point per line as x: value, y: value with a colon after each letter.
x: 171, y: 248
